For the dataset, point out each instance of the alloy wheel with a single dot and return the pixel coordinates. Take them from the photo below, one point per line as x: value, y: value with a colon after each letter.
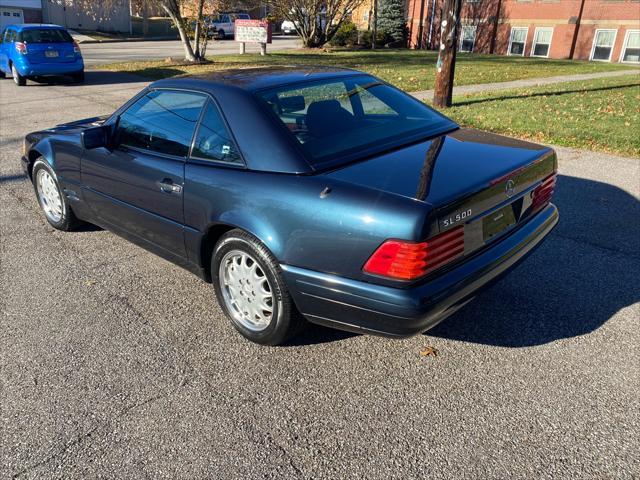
x: 49, y: 196
x: 246, y: 290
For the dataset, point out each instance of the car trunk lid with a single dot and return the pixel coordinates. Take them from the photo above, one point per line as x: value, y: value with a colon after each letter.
x: 483, y: 181
x: 50, y: 52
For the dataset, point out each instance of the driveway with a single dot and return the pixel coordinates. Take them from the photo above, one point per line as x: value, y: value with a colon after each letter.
x: 115, y: 363
x: 111, y: 52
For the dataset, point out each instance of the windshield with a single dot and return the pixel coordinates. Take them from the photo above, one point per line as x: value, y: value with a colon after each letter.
x: 46, y: 35
x: 338, y: 119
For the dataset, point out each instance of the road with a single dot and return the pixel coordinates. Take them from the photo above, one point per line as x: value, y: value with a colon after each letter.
x: 117, y: 364
x: 111, y: 52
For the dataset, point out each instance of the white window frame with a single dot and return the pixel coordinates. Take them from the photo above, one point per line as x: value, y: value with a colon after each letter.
x: 524, y: 47
x: 533, y: 44
x: 595, y: 37
x: 475, y: 33
x: 624, y: 45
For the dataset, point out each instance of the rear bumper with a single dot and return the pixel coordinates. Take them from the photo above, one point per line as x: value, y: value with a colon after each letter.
x: 363, y: 307
x: 27, y: 69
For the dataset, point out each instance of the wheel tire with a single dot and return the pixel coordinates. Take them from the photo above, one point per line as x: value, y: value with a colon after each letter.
x: 285, y: 321
x: 2, y: 74
x: 17, y: 78
x: 67, y: 219
x: 78, y: 77
x: 221, y: 34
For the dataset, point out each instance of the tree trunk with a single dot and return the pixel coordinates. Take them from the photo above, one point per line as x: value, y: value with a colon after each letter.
x: 197, y: 33
x: 145, y: 19
x: 186, y: 42
x: 447, y: 54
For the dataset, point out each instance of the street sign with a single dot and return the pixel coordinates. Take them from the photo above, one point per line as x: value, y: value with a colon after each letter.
x: 252, y: 31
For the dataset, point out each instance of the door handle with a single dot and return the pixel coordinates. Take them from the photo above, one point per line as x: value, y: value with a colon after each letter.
x: 167, y: 186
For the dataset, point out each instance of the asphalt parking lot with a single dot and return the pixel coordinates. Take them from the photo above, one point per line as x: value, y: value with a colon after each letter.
x: 117, y: 364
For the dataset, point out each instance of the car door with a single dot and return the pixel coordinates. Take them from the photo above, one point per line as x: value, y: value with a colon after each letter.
x: 136, y: 185
x: 3, y: 55
x: 5, y: 50
x: 227, y: 24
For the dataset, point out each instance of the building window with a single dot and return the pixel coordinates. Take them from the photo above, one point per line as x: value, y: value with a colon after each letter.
x: 517, y: 40
x: 467, y: 38
x: 631, y: 48
x: 541, y: 42
x: 603, y: 45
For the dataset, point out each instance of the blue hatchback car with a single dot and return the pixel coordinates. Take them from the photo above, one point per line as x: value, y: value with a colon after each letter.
x: 37, y: 50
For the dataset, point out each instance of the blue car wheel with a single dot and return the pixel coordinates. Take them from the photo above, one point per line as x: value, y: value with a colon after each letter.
x: 19, y: 79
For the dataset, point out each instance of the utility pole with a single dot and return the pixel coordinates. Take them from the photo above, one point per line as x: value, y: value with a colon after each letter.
x: 445, y: 68
x: 576, y: 30
x: 374, y: 25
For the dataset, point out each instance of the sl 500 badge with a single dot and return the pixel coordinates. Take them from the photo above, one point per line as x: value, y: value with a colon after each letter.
x: 458, y: 217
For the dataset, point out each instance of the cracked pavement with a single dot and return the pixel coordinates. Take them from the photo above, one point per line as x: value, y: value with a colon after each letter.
x: 116, y: 363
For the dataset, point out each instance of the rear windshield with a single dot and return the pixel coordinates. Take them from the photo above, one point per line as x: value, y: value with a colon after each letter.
x: 45, y: 35
x: 336, y: 120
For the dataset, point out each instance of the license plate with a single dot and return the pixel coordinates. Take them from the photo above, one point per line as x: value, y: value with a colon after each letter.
x: 51, y: 53
x: 498, y: 221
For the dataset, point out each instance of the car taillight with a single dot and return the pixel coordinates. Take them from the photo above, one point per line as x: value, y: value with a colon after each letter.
x: 21, y: 47
x: 410, y: 260
x: 543, y: 193
x: 76, y: 47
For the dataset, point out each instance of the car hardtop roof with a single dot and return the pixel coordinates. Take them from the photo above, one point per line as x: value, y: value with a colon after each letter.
x: 32, y: 26
x: 257, y: 78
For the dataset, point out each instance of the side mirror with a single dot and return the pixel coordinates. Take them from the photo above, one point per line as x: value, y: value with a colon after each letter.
x: 95, y: 137
x: 292, y: 104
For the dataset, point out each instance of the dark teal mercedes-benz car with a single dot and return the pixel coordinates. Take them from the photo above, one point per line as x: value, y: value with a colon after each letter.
x: 323, y: 194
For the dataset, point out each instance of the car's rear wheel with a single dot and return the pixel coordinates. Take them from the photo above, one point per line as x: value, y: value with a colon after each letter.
x: 19, y: 79
x: 52, y: 201
x: 251, y: 290
x: 2, y: 74
x: 221, y: 35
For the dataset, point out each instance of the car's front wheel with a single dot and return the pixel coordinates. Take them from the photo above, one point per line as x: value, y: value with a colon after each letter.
x: 251, y: 290
x: 51, y: 199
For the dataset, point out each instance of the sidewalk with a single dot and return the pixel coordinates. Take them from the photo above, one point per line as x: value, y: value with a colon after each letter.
x: 528, y: 82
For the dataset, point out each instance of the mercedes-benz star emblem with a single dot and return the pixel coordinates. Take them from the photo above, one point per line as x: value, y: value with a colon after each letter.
x: 510, y: 188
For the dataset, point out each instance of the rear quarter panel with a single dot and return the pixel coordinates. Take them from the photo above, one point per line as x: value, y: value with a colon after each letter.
x: 333, y: 233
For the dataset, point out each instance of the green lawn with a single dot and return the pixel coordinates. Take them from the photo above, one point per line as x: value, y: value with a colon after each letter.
x: 599, y: 114
x: 410, y: 70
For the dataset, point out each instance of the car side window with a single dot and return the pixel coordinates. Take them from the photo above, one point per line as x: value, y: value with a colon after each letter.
x: 8, y: 36
x: 213, y: 140
x: 162, y: 121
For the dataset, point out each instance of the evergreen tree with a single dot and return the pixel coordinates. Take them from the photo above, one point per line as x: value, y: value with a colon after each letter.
x: 391, y: 18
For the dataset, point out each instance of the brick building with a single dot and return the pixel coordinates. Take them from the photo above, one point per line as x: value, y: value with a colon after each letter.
x: 603, y: 30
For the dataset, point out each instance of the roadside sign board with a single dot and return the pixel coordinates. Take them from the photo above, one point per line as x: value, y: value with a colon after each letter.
x: 252, y: 31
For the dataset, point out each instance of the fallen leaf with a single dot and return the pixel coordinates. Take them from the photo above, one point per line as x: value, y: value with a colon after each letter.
x: 429, y: 351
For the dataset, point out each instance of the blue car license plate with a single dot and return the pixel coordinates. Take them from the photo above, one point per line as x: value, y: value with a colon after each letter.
x: 51, y: 53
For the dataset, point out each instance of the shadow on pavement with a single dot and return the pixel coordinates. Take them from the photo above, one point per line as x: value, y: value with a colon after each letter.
x: 585, y: 272
x: 92, y: 77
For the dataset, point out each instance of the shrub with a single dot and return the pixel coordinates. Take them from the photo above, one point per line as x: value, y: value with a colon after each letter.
x: 346, y: 35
